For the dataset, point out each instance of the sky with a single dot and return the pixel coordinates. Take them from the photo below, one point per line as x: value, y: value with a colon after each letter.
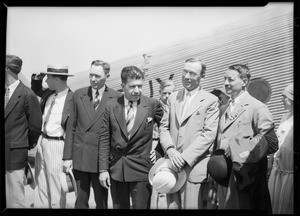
x: 74, y: 36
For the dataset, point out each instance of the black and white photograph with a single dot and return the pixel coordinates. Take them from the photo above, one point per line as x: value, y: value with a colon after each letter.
x: 153, y: 108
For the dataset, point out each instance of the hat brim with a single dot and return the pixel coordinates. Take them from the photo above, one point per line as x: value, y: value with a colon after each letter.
x: 166, y: 163
x: 64, y: 184
x: 57, y: 74
x: 29, y: 176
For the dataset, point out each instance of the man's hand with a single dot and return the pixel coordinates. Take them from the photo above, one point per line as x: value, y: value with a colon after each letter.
x: 104, y: 179
x: 38, y: 76
x: 153, y: 156
x: 176, y: 158
x: 67, y: 164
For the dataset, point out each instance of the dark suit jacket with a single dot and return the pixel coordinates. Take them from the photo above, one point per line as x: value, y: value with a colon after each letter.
x: 23, y: 122
x: 83, y: 132
x: 128, y: 160
x: 36, y: 86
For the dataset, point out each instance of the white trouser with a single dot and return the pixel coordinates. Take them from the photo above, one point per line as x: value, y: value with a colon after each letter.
x: 48, y: 165
x: 15, y: 188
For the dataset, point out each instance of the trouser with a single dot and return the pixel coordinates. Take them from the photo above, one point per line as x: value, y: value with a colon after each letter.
x: 48, y: 166
x: 139, y: 192
x: 15, y: 188
x: 84, y: 180
x: 189, y: 197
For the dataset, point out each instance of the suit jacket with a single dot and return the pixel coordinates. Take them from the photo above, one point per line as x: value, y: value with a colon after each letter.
x: 244, y: 132
x: 128, y: 159
x: 36, y: 86
x: 23, y: 122
x: 83, y: 132
x: 194, y: 134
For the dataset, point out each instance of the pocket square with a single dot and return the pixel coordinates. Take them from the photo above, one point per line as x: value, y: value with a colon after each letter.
x: 149, y: 119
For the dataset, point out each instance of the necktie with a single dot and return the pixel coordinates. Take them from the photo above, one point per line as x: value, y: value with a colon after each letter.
x: 96, y: 100
x: 130, y: 118
x: 48, y: 113
x: 228, y: 111
x: 185, y: 104
x: 6, y: 98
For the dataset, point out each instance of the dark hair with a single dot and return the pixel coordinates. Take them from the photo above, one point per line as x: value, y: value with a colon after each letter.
x: 131, y: 72
x: 242, y: 69
x: 196, y: 59
x: 105, y: 65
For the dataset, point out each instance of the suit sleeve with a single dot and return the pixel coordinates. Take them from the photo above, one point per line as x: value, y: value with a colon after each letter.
x: 251, y: 150
x: 37, y: 87
x: 34, y: 118
x: 206, y: 139
x: 159, y: 112
x: 104, y: 143
x: 164, y: 128
x: 70, y: 130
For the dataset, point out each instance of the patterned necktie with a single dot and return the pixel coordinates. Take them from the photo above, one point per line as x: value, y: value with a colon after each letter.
x: 48, y: 113
x: 228, y: 111
x: 6, y: 98
x: 130, y: 118
x: 96, y: 100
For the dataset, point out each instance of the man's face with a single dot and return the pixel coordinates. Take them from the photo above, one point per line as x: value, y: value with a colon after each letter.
x: 287, y: 103
x: 234, y: 84
x: 191, y: 75
x: 97, y: 77
x: 165, y: 93
x: 133, y: 89
x: 51, y: 80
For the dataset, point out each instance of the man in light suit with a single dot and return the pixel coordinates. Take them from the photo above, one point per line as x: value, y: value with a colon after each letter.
x: 187, y: 132
x: 246, y: 133
x: 126, y: 142
x: 83, y: 134
x: 23, y: 123
x: 55, y: 105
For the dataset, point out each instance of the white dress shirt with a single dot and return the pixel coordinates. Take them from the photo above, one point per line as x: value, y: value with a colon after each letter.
x: 53, y: 126
x: 134, y: 106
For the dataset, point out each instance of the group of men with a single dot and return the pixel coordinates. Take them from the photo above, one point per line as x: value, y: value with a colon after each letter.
x: 106, y: 138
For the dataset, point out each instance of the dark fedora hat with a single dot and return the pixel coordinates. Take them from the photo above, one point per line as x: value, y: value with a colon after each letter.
x: 68, y: 183
x: 219, y: 167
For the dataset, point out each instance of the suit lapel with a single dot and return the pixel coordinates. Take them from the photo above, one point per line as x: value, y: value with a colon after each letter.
x: 238, y: 110
x: 14, y: 99
x: 178, y: 105
x: 119, y: 112
x: 101, y: 107
x: 65, y: 112
x: 194, y: 105
x: 141, y: 112
x: 87, y: 100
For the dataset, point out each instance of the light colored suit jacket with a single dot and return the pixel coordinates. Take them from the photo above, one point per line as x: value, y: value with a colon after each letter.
x: 194, y: 134
x: 243, y: 131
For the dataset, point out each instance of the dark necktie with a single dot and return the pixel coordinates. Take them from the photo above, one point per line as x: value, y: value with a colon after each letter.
x: 48, y: 113
x: 130, y: 118
x: 6, y: 98
x: 96, y: 100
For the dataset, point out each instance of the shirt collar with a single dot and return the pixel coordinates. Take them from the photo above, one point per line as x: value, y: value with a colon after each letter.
x: 64, y: 92
x: 193, y: 92
x: 126, y: 102
x: 14, y: 85
x: 237, y: 99
x: 101, y: 90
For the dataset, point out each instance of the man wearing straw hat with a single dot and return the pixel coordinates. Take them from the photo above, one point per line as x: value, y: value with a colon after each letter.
x: 23, y: 122
x: 187, y: 132
x: 55, y: 104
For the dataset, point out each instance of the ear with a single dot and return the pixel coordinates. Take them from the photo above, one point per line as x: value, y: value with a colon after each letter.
x: 202, y: 75
x: 107, y: 76
x: 245, y: 81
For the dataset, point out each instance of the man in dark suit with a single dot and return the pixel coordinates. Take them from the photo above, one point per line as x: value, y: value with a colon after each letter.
x: 126, y: 141
x: 83, y: 133
x: 55, y: 105
x: 23, y: 122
